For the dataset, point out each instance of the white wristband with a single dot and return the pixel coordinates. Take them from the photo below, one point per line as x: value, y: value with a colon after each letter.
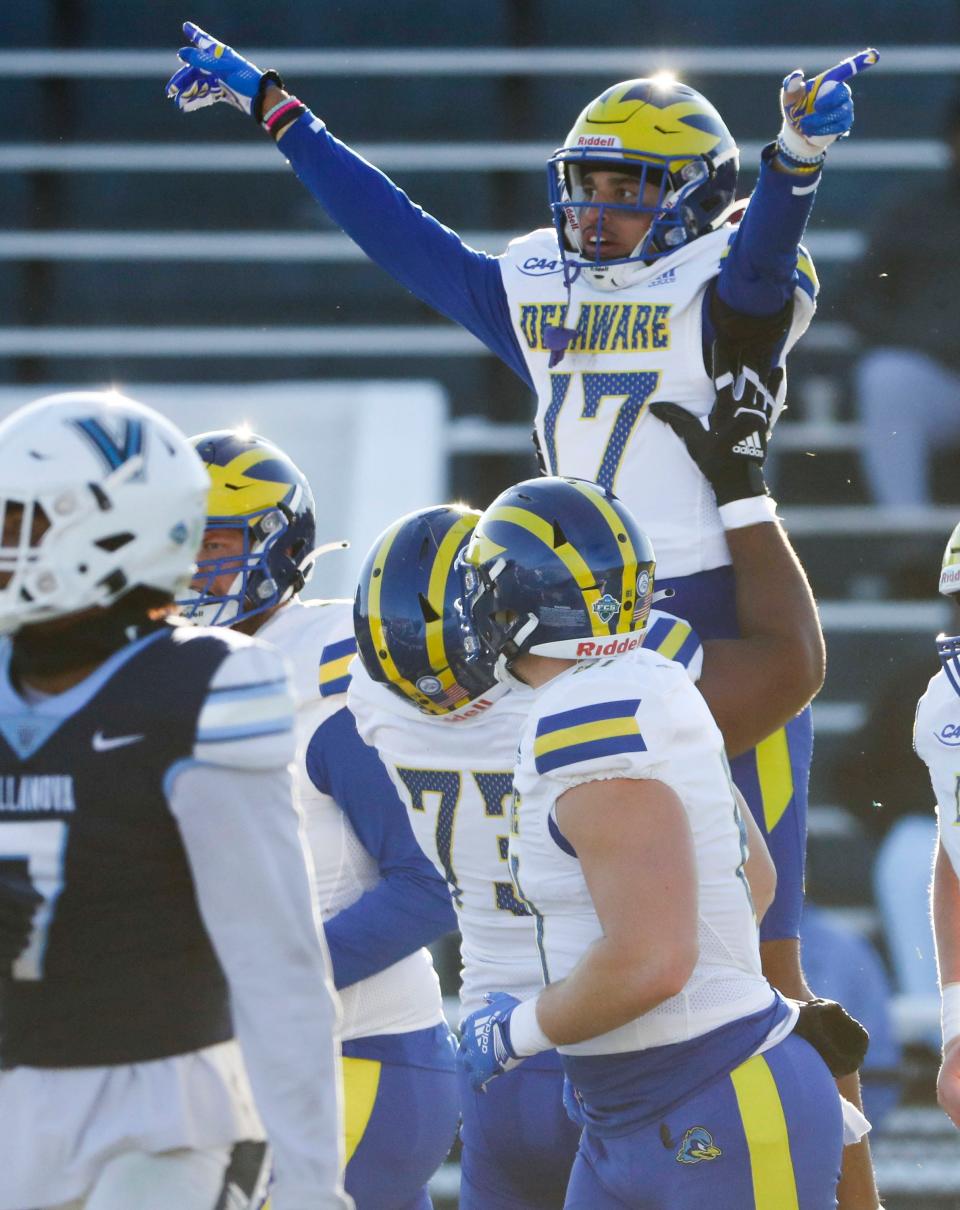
x: 949, y: 1013
x: 526, y: 1036
x: 753, y: 510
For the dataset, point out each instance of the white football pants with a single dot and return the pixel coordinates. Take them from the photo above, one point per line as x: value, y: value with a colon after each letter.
x: 171, y: 1180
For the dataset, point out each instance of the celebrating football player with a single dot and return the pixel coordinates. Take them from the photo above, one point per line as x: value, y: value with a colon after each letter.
x: 154, y: 893
x: 609, y: 316
x: 380, y: 898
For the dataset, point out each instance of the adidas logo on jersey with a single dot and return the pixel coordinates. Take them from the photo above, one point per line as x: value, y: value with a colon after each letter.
x: 666, y: 278
x: 750, y: 446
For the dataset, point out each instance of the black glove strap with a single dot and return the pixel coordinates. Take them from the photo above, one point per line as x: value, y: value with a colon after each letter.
x: 270, y: 76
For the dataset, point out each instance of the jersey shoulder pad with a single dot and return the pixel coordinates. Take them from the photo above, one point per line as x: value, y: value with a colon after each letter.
x: 604, y: 719
x: 541, y: 243
x: 676, y: 640
x: 936, y: 726
x: 247, y: 718
x: 317, y: 637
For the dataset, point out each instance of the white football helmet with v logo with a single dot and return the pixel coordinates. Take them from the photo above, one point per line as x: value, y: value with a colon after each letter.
x: 98, y: 495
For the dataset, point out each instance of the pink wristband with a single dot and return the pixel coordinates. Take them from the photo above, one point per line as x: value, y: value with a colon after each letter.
x: 275, y: 115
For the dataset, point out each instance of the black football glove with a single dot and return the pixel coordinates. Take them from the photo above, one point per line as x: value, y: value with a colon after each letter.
x: 732, y: 450
x: 19, y: 900
x: 840, y: 1039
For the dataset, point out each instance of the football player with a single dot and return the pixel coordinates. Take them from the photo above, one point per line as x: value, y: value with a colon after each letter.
x: 154, y: 892
x: 380, y: 898
x: 627, y: 845
x: 608, y: 316
x: 612, y: 311
x: 936, y: 737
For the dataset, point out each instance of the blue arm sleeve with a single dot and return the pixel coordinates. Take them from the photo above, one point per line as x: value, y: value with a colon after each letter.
x: 759, y: 274
x: 410, y: 906
x: 421, y: 253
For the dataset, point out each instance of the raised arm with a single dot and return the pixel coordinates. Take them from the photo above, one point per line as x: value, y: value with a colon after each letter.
x: 421, y: 253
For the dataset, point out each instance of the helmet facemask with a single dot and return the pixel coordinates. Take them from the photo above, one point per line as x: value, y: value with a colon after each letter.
x: 254, y: 587
x: 675, y: 143
x: 668, y: 197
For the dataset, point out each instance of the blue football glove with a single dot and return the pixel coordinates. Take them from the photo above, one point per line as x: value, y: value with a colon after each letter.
x: 817, y: 112
x: 215, y: 72
x: 485, y: 1051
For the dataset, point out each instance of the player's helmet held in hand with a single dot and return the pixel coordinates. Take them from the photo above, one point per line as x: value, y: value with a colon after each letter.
x: 99, y: 495
x: 674, y: 141
x: 557, y: 567
x: 406, y: 614
x: 256, y: 493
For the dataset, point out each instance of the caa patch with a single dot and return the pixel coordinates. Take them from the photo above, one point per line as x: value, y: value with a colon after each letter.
x: 538, y: 266
x: 950, y: 735
x: 697, y: 1145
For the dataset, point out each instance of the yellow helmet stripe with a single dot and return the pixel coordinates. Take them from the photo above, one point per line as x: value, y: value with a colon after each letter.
x: 376, y: 620
x: 257, y: 495
x: 571, y: 558
x: 436, y: 591
x: 628, y: 584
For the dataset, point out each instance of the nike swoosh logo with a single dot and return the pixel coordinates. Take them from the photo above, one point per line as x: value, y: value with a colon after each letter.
x: 103, y: 743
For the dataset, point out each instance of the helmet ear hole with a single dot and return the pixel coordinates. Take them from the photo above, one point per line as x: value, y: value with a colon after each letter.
x: 428, y: 611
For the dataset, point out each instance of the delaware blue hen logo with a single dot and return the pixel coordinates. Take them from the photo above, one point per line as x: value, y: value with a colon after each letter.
x: 697, y: 1145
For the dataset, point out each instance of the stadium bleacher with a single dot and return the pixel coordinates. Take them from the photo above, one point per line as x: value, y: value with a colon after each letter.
x: 140, y: 246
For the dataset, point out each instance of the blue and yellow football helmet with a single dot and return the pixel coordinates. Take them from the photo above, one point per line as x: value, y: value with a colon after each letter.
x: 948, y: 646
x: 667, y: 135
x: 406, y: 616
x: 556, y: 567
x: 256, y: 490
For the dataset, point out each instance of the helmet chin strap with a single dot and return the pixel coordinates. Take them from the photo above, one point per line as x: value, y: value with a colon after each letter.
x: 501, y: 669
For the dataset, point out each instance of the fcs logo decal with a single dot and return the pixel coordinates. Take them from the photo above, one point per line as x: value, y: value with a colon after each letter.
x: 539, y: 266
x: 950, y: 735
x: 606, y: 608
x: 697, y: 1145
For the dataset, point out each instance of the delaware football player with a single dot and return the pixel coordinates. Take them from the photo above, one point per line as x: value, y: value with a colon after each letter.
x: 627, y: 845
x: 380, y: 898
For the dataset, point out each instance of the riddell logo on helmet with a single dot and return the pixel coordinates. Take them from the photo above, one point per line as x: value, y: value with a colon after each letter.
x: 614, y: 647
x: 597, y: 140
x: 476, y: 708
x: 950, y: 579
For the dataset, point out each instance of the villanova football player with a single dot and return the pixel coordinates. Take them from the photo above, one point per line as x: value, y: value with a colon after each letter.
x: 628, y: 846
x: 611, y: 313
x: 380, y: 898
x: 154, y: 892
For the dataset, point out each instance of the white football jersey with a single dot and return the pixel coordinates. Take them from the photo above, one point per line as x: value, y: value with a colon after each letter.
x: 317, y: 638
x: 633, y: 346
x: 936, y: 738
x: 455, y: 773
x: 633, y: 717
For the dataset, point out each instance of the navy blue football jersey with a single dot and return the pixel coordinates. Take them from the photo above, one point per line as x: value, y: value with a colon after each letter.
x: 119, y: 967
